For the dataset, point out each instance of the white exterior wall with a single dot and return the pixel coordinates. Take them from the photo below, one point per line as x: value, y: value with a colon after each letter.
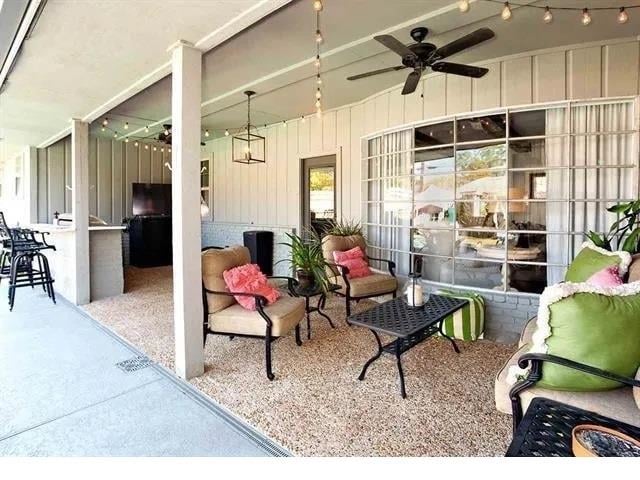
x: 269, y: 194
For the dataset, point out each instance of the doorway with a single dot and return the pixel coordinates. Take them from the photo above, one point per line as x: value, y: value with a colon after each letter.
x: 318, y: 193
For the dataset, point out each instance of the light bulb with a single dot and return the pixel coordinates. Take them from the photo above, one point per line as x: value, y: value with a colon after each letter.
x: 162, y: 149
x: 115, y: 134
x: 169, y: 150
x: 317, y: 62
x: 146, y: 128
x: 317, y: 5
x: 623, y: 16
x: 166, y: 131
x: 318, y: 104
x: 105, y: 122
x: 206, y: 133
x: 126, y: 125
x: 318, y: 94
x: 318, y: 36
x: 135, y: 144
x: 586, y: 17
x: 103, y: 129
x: 146, y: 147
x: 548, y: 16
x: 155, y: 149
x: 226, y: 133
x: 463, y: 6
x: 506, y: 11
x: 126, y: 140
x: 284, y: 122
x: 318, y: 80
x: 302, y: 120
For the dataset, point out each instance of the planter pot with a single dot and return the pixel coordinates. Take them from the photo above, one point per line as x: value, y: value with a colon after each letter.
x: 305, y: 279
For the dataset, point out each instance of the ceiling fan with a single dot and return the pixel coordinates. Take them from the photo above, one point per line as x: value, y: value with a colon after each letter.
x: 420, y: 55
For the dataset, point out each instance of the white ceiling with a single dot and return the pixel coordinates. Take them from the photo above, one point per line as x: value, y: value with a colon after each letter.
x: 85, y: 55
x: 273, y: 57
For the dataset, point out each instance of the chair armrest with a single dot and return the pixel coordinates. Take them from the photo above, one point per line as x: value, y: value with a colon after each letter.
x: 291, y: 282
x: 260, y: 300
x: 344, y: 272
x: 390, y: 264
x: 536, y: 360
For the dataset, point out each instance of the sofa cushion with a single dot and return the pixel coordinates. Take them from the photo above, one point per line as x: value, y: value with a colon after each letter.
x: 591, y: 325
x: 636, y: 390
x: 249, y: 279
x: 374, y: 284
x: 592, y: 259
x: 332, y: 243
x: 617, y: 404
x: 214, y: 263
x: 527, y: 332
x: 285, y: 314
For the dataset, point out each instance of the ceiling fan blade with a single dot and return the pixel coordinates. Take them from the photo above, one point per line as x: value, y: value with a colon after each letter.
x: 459, y: 69
x: 375, y: 72
x: 394, y: 44
x: 468, y: 41
x: 412, y: 82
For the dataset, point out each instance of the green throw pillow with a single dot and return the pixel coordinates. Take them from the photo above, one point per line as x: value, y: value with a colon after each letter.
x: 592, y: 259
x: 467, y: 323
x: 591, y: 325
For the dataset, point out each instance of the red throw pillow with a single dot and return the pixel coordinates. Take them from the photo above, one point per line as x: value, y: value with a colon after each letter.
x: 249, y: 279
x: 354, y: 260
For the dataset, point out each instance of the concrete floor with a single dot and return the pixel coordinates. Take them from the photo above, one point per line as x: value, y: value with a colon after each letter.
x: 62, y: 394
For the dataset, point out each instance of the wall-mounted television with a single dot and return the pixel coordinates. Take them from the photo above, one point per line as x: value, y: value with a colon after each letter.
x: 151, y: 198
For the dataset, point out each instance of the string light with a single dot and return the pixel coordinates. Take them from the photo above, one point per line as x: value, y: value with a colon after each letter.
x: 103, y: 129
x: 623, y: 16
x: 548, y: 16
x: 115, y: 134
x: 303, y: 120
x: 586, y: 17
x: 166, y: 131
x: 317, y: 5
x: 318, y: 79
x: 105, y: 122
x: 226, y: 133
x: 126, y: 125
x: 318, y: 94
x: 126, y: 140
x: 135, y: 144
x: 317, y: 62
x: 169, y: 150
x: 146, y: 147
x: 155, y: 149
x: 146, y: 128
x: 162, y: 149
x: 319, y: 38
x: 318, y: 104
x: 506, y: 11
x: 206, y: 133
x: 463, y: 6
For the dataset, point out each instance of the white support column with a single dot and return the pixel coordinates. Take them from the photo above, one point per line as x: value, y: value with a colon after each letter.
x: 185, y: 191
x: 30, y: 167
x: 80, y: 210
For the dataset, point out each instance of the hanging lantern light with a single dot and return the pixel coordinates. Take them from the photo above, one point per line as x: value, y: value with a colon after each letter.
x: 246, y: 145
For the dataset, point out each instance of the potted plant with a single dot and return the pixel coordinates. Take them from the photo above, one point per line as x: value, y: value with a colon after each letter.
x: 307, y: 260
x: 344, y: 228
x: 625, y: 231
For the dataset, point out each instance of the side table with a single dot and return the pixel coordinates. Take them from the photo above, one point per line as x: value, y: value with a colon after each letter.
x: 310, y: 292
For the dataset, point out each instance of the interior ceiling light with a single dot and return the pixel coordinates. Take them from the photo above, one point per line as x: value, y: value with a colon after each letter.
x: 506, y: 11
x: 463, y: 6
x: 586, y: 17
x: 623, y: 16
x: 548, y: 16
x: 317, y: 5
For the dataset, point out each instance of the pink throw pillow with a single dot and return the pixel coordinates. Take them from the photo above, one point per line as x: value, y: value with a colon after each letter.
x: 249, y: 279
x: 354, y: 260
x: 607, y: 277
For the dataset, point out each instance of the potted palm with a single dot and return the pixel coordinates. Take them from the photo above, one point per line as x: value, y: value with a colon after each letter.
x: 307, y: 260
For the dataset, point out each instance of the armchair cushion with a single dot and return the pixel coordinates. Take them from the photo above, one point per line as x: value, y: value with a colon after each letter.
x: 249, y: 279
x: 591, y: 325
x: 214, y: 263
x: 285, y: 314
x: 636, y: 390
x: 371, y: 285
x: 592, y: 259
x: 333, y: 243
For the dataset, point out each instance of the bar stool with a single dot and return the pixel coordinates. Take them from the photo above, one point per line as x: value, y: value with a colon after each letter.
x: 20, y: 250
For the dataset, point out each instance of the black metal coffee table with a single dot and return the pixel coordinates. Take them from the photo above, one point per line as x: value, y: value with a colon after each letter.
x: 314, y: 291
x: 545, y: 429
x: 410, y: 325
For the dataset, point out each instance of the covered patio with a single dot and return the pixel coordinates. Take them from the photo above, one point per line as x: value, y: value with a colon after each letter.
x: 460, y: 152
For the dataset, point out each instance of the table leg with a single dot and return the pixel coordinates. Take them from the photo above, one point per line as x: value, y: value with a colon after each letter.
x: 455, y: 347
x: 403, y: 392
x: 321, y: 302
x: 307, y: 314
x: 372, y: 359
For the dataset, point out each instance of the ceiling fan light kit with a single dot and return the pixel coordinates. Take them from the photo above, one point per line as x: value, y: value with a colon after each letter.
x: 422, y: 55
